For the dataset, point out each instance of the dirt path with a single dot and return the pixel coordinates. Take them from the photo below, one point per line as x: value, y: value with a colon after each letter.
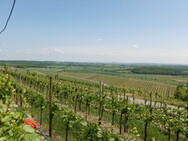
x: 141, y: 101
x: 88, y: 76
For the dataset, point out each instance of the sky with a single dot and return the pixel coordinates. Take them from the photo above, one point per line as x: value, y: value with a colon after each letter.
x: 124, y: 31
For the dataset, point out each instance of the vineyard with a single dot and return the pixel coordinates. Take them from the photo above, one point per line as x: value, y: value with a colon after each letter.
x: 77, y: 110
x: 136, y: 84
x: 162, y: 88
x: 11, y: 118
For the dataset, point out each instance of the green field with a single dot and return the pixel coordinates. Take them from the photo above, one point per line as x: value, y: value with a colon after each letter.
x: 134, y: 83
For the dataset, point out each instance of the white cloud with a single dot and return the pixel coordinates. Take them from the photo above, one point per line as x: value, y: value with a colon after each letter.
x: 135, y: 46
x: 1, y: 50
x: 59, y: 51
x: 99, y: 39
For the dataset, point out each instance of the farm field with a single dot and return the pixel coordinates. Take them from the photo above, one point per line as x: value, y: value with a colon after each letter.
x: 85, y: 71
x: 135, y: 84
x: 162, y: 88
x: 129, y: 82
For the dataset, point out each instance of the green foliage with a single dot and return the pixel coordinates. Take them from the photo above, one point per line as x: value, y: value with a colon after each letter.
x: 70, y: 118
x: 12, y: 127
x: 157, y: 70
x: 181, y: 93
x: 134, y: 134
x: 55, y: 106
x: 11, y: 121
x: 6, y: 89
x: 91, y: 132
x: 40, y: 101
x: 111, y: 136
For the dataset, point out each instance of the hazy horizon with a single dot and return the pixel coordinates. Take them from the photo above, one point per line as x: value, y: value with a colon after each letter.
x: 170, y: 64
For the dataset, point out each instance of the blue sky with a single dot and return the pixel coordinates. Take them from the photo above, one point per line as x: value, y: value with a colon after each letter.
x: 128, y: 31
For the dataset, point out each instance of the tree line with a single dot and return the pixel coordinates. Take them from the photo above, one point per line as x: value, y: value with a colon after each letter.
x: 157, y: 71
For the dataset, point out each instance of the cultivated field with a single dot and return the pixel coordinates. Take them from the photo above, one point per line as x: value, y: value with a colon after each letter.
x: 134, y: 83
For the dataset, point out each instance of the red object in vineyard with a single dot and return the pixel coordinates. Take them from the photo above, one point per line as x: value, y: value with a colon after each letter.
x: 31, y: 123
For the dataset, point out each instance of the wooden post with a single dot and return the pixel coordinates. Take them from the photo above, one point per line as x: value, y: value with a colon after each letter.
x: 67, y: 132
x: 75, y: 103
x: 20, y: 81
x: 133, y: 97
x: 150, y: 102
x: 47, y: 91
x: 187, y: 116
x: 20, y: 100
x: 57, y: 76
x: 126, y: 118
x: 127, y: 102
x: 124, y: 94
x: 145, y: 131
x: 169, y: 134
x: 50, y: 108
x: 100, y: 103
x: 145, y: 101
x: 37, y: 76
x: 120, y: 124
x: 168, y: 94
x: 41, y: 109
